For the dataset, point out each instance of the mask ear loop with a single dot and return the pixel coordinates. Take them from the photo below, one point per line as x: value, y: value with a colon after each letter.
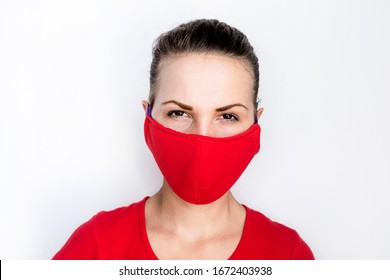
x: 149, y: 111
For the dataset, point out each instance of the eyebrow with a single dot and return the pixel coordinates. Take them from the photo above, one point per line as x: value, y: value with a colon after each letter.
x: 220, y: 109
x: 184, y: 106
x: 224, y: 108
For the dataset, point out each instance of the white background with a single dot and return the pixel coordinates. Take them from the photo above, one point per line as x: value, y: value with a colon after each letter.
x: 72, y: 77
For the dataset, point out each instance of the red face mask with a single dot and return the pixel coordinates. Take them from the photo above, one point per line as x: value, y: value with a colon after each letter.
x: 200, y: 169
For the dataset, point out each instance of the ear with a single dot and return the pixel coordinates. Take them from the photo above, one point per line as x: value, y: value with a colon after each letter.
x: 259, y: 113
x: 145, y: 106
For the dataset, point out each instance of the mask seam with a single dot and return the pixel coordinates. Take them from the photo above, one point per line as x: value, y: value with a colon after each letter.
x: 199, y: 178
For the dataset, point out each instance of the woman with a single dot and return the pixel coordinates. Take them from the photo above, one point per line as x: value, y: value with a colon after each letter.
x: 201, y: 127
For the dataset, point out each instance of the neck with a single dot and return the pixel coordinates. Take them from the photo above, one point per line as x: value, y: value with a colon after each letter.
x: 195, y: 221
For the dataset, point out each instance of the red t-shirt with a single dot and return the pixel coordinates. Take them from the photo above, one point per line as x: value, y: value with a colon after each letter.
x: 121, y: 234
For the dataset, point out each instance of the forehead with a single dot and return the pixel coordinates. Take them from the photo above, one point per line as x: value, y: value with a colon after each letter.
x: 208, y: 77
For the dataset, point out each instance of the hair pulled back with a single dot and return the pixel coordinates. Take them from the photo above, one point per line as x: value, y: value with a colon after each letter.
x: 203, y: 36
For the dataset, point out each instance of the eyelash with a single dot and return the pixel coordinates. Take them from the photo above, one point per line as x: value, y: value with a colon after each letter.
x: 230, y: 118
x: 171, y: 114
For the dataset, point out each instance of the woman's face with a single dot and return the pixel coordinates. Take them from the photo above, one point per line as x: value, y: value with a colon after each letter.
x: 205, y: 94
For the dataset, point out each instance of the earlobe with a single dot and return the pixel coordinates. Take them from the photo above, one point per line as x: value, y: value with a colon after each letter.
x: 259, y: 113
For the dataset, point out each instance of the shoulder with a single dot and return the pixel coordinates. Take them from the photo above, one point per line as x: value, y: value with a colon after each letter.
x: 259, y: 224
x: 104, y: 232
x: 121, y: 218
x: 266, y: 239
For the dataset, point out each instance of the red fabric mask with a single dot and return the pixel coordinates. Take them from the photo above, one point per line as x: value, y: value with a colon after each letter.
x: 200, y: 169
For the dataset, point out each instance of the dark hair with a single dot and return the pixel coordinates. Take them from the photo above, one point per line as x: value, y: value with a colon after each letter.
x: 203, y: 36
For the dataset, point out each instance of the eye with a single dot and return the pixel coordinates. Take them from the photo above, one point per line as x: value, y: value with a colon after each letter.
x: 230, y: 118
x: 176, y: 114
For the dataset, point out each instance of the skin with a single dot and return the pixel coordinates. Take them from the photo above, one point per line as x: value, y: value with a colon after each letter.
x: 211, y: 95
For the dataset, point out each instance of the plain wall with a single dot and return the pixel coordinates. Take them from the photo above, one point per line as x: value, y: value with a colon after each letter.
x: 73, y: 75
